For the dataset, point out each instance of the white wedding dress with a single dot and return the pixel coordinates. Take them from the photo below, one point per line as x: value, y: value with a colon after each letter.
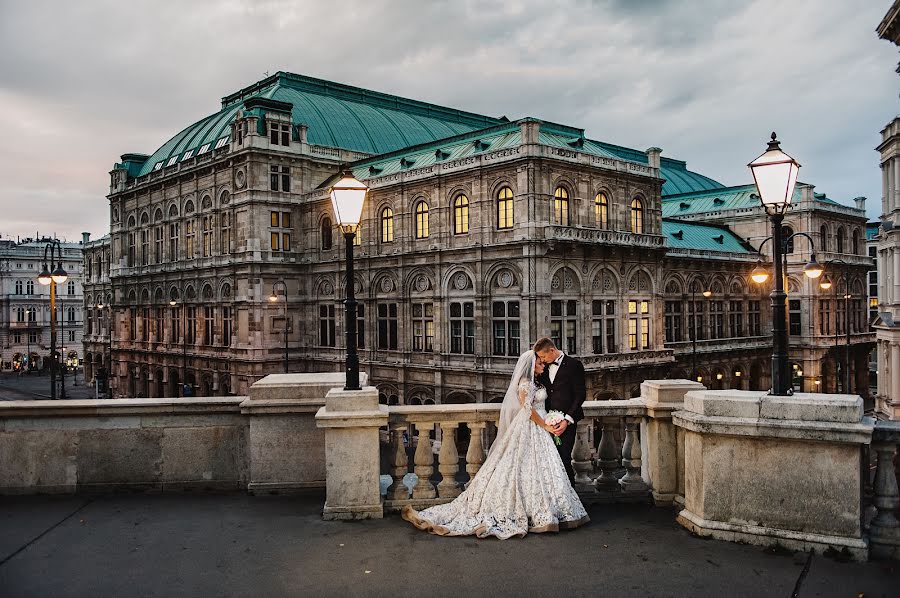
x: 521, y: 487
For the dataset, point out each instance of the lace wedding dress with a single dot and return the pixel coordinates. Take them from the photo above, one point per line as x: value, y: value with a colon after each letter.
x: 522, y: 486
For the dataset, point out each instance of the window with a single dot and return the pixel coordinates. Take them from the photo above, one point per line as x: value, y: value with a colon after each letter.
x: 674, y: 321
x: 174, y: 234
x: 221, y: 142
x: 208, y: 324
x: 145, y: 324
x: 357, y: 238
x: 20, y: 314
x: 840, y: 317
x: 423, y: 326
x: 32, y: 315
x: 603, y: 326
x: 561, y: 206
x: 823, y: 237
x: 29, y: 287
x: 131, y: 249
x: 461, y: 215
x: 601, y: 210
x: 563, y: 324
x: 735, y: 319
x: 207, y: 235
x: 32, y: 337
x: 191, y: 329
x: 176, y: 325
x: 71, y: 336
x: 387, y: 225
x: 225, y: 238
x: 280, y: 236
x: 70, y: 314
x: 422, y: 220
x: 505, y: 208
x: 279, y: 133
x: 506, y: 330
x: 189, y: 233
x: 753, y: 318
x: 145, y: 246
x: 159, y: 332
x: 280, y: 178
x: 716, y: 319
x: 854, y: 242
x: 89, y: 321
x: 639, y: 325
x: 794, y: 317
x: 132, y: 324
x: 327, y: 326
x: 462, y: 327
x: 360, y: 326
x: 824, y: 316
x: 17, y: 337
x: 387, y: 326
x: 696, y: 320
x: 326, y: 233
x: 70, y: 287
x: 18, y: 287
x: 158, y: 246
x: 227, y: 325
x: 841, y: 237
x: 637, y: 216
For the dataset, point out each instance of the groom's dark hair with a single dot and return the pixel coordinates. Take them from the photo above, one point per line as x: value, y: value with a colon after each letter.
x: 543, y: 344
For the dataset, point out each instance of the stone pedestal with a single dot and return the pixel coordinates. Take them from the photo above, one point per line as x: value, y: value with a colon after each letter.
x: 285, y: 447
x: 775, y: 470
x: 351, y: 420
x: 661, y: 467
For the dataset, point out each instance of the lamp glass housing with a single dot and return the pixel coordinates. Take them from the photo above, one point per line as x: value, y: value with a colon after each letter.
x: 347, y: 198
x: 775, y: 175
x: 825, y: 283
x: 59, y: 275
x: 759, y: 274
x: 44, y: 276
x: 813, y: 269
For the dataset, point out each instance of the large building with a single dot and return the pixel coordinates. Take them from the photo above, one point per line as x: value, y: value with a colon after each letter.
x: 25, y: 306
x: 479, y: 235
x: 887, y: 324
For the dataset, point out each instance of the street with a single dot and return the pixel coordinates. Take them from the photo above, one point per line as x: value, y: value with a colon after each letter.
x: 36, y: 386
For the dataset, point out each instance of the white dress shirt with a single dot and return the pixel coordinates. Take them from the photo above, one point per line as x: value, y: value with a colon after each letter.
x: 554, y: 367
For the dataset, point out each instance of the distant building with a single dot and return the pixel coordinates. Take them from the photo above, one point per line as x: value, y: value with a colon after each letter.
x: 480, y: 235
x: 25, y: 306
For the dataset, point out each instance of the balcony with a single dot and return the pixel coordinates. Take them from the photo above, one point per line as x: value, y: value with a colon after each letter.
x: 603, y: 236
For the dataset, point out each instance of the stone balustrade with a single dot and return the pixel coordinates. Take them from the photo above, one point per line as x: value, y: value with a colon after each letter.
x: 884, y: 530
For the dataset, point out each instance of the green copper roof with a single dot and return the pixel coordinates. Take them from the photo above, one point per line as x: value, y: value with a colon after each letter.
x: 872, y: 230
x: 337, y: 116
x: 725, y: 198
x: 707, y: 237
x: 678, y: 178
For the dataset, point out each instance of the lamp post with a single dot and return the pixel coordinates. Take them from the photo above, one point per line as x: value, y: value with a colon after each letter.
x: 173, y: 303
x: 706, y: 293
x: 62, y: 349
x: 109, y: 328
x: 827, y: 284
x: 347, y: 198
x: 28, y: 313
x: 273, y: 298
x: 53, y: 274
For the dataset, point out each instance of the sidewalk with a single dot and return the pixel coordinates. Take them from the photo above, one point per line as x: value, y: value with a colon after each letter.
x: 240, y: 545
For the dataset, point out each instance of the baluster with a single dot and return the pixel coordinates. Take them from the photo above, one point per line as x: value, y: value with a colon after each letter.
x: 607, y: 458
x: 632, y: 482
x: 581, y: 454
x: 475, y: 454
x: 448, y: 461
x: 399, y: 464
x: 424, y: 461
x: 885, y: 530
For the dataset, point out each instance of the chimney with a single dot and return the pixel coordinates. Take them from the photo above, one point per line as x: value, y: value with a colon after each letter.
x: 653, y: 157
x: 860, y: 203
x: 85, y: 237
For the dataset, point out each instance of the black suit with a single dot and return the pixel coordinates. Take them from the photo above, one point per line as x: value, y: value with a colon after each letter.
x: 567, y: 394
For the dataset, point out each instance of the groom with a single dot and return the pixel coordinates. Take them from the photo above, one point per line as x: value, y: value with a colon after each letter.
x: 564, y: 380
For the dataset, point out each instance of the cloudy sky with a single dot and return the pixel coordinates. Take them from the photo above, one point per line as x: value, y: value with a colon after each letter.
x: 84, y: 82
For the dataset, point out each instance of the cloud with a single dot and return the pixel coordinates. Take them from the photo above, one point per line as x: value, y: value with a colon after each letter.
x: 85, y: 82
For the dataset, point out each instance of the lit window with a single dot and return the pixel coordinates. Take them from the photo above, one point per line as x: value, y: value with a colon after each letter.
x: 461, y: 215
x: 505, y: 208
x: 601, y: 210
x: 423, y: 326
x: 280, y: 233
x: 561, y: 206
x: 387, y: 225
x: 637, y: 216
x: 421, y: 220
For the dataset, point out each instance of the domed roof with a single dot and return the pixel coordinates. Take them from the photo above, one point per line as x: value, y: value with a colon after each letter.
x: 337, y: 116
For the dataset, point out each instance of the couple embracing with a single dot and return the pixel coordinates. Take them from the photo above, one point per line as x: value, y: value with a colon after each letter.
x: 525, y: 484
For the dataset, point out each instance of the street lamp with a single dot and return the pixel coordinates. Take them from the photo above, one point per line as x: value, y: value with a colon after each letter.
x: 109, y: 329
x: 53, y: 274
x: 826, y: 284
x: 28, y: 313
x: 347, y: 198
x: 775, y: 175
x: 173, y: 303
x: 273, y: 298
x: 706, y: 293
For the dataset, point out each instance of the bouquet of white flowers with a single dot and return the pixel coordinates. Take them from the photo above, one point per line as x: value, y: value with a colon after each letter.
x: 553, y: 418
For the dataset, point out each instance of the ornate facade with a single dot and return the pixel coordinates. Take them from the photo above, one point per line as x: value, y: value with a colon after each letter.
x: 479, y: 236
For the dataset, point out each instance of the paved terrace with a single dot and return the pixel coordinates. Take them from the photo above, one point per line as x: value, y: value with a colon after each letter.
x: 242, y: 545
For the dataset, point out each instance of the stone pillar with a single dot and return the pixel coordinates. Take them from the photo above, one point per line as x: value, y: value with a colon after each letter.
x: 659, y: 437
x: 351, y: 419
x: 775, y: 470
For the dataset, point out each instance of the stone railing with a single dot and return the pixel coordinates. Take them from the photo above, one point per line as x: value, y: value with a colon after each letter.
x: 603, y: 236
x: 620, y: 360
x: 884, y: 531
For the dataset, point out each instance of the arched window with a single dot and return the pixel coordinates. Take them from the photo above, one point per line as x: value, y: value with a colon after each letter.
x: 461, y: 215
x: 789, y: 243
x: 29, y: 287
x: 823, y: 237
x: 854, y: 242
x: 841, y: 237
x: 505, y: 208
x: 70, y: 288
x: 225, y: 238
x: 20, y: 314
x: 326, y: 233
x: 637, y: 215
x: 189, y: 231
x: 207, y: 234
x: 421, y: 220
x: 561, y: 206
x: 601, y: 210
x: 387, y: 225
x: 132, y: 242
x: 18, y: 287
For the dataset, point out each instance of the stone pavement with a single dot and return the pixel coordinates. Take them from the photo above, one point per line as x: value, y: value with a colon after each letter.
x: 240, y: 545
x: 36, y: 385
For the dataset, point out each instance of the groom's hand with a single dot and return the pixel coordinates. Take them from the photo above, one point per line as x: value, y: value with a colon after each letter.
x: 559, y: 428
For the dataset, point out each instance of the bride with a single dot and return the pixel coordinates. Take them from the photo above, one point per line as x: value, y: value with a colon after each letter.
x: 522, y: 486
